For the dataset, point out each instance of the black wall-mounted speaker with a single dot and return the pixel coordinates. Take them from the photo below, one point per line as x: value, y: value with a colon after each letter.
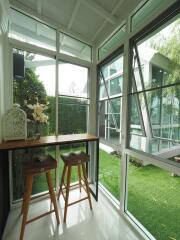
x: 18, y: 66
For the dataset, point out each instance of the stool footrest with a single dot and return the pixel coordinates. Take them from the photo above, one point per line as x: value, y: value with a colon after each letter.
x: 40, y: 216
x: 82, y: 199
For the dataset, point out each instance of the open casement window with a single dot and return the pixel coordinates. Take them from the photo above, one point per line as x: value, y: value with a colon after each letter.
x: 155, y: 90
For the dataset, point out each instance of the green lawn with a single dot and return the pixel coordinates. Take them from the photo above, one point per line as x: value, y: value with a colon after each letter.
x: 153, y: 195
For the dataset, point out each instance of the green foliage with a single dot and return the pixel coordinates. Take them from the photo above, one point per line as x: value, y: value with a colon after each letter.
x: 72, y: 116
x: 28, y: 89
x: 52, y: 114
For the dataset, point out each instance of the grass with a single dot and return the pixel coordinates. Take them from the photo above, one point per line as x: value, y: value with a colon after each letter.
x: 153, y: 195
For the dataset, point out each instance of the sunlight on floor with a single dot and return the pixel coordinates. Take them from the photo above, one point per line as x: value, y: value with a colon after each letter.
x: 82, y: 224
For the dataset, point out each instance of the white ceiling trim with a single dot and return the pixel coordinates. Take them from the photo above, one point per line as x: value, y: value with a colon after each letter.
x: 100, y: 11
x: 74, y: 13
x: 115, y: 8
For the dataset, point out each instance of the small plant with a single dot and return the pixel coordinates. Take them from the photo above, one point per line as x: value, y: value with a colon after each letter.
x: 38, y: 114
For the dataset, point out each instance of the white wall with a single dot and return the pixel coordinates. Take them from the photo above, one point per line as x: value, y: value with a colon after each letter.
x: 1, y: 82
x: 4, y: 56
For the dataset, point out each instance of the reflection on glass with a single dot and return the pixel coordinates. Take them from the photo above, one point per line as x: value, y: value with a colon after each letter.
x: 153, y: 199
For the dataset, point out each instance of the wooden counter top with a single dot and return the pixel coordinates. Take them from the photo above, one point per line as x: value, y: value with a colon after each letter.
x: 47, y: 141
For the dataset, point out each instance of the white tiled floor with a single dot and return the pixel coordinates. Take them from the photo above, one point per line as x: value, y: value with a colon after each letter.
x: 103, y: 223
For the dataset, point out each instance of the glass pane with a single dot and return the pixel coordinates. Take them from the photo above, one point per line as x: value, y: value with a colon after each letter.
x: 153, y: 199
x: 116, y: 105
x: 109, y: 172
x: 73, y: 115
x: 111, y: 121
x: 164, y: 105
x: 113, y: 68
x: 112, y: 43
x: 103, y: 90
x: 73, y: 80
x: 29, y: 30
x: 135, y: 119
x: 113, y: 135
x: 138, y: 86
x: 75, y: 48
x: 102, y: 118
x: 112, y: 75
x: 116, y: 85
x: 38, y: 84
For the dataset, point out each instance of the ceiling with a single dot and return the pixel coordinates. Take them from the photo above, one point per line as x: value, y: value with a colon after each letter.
x: 89, y: 20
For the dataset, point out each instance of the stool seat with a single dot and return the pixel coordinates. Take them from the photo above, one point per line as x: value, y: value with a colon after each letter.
x: 39, y: 164
x: 74, y: 158
x: 79, y: 160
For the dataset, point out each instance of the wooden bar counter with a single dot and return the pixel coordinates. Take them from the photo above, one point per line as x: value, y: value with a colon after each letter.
x: 47, y: 141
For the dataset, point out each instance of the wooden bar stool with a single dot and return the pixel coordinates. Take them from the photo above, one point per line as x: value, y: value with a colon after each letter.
x: 78, y: 159
x: 31, y: 168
